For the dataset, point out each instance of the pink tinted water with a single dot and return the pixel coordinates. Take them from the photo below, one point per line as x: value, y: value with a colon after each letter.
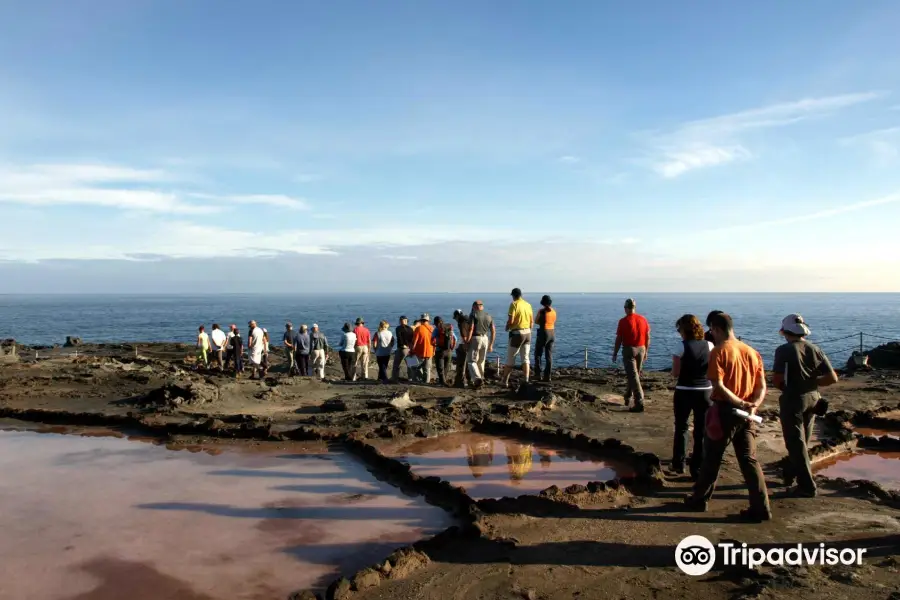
x: 880, y: 467
x: 88, y: 518
x: 494, y: 466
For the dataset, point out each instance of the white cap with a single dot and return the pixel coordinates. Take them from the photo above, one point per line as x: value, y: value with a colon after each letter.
x: 794, y: 324
x: 315, y: 325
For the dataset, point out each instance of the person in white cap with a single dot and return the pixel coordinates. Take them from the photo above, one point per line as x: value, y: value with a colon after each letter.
x: 800, y: 369
x: 318, y: 345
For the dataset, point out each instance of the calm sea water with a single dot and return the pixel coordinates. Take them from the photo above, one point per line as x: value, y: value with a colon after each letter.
x: 585, y: 320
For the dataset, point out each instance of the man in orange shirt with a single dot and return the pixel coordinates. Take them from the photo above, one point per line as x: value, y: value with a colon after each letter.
x: 739, y: 382
x: 423, y: 347
x: 633, y: 337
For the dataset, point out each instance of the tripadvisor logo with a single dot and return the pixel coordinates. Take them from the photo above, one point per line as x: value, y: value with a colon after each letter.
x: 695, y: 555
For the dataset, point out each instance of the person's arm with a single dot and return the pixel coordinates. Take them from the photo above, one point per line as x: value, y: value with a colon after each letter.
x: 778, y: 366
x: 759, y: 390
x: 676, y: 365
x: 828, y: 377
x: 471, y: 329
x: 720, y: 390
x: 617, y: 346
x: 493, y: 336
x: 509, y: 317
x: 647, y: 345
x: 531, y: 320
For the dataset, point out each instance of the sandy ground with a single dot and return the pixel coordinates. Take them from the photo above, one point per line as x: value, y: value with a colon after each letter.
x: 614, y: 549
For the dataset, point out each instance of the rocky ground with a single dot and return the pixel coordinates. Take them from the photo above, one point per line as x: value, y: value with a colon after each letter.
x: 616, y: 542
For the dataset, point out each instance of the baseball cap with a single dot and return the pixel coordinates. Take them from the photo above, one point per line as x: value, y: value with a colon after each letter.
x: 794, y: 324
x: 629, y: 303
x: 315, y: 325
x: 425, y: 317
x: 403, y: 318
x: 359, y: 321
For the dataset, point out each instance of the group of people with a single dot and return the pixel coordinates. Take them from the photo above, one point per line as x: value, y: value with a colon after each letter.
x: 418, y: 348
x: 721, y: 381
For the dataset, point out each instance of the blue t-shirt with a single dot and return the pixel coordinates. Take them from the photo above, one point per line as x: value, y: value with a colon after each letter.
x: 301, y: 343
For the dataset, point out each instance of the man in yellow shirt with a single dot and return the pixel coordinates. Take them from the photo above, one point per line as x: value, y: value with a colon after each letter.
x: 519, y: 325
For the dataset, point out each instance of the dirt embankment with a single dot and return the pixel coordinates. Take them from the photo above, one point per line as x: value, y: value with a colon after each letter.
x: 586, y: 542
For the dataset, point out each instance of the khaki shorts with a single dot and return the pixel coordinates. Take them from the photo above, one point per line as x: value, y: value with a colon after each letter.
x: 523, y: 350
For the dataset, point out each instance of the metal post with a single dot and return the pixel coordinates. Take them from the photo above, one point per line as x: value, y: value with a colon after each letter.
x: 35, y: 355
x: 585, y: 357
x: 498, y: 364
x: 135, y: 351
x: 860, y: 342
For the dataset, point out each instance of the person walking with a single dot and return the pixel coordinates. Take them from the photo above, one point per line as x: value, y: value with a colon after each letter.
x: 202, y: 347
x: 302, y: 347
x: 256, y: 348
x: 237, y: 350
x: 546, y: 338
x: 347, y: 351
x: 739, y: 382
x: 318, y: 345
x: 363, y: 342
x: 423, y: 347
x: 519, y: 323
x: 633, y: 337
x: 482, y: 335
x: 404, y: 341
x: 384, y: 344
x: 462, y: 371
x: 444, y: 341
x: 289, y: 351
x: 219, y: 341
x: 800, y: 369
x: 692, y: 392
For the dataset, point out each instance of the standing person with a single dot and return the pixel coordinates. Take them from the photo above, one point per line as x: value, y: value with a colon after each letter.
x: 363, y: 341
x: 444, y: 341
x: 404, y: 341
x: 708, y: 336
x: 347, y: 351
x: 800, y: 369
x: 219, y: 341
x: 633, y: 337
x: 462, y: 371
x: 384, y: 343
x: 256, y: 347
x: 318, y: 345
x: 237, y: 350
x: 202, y: 347
x: 289, y: 351
x: 265, y: 359
x: 422, y: 347
x: 692, y: 392
x: 478, y: 343
x: 229, y: 344
x: 302, y: 347
x: 546, y: 337
x: 519, y: 324
x: 739, y: 382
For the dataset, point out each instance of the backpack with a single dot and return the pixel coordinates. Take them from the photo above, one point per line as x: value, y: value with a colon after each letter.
x: 446, y: 340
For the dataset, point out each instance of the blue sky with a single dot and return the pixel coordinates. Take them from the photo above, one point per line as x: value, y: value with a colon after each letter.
x: 468, y: 146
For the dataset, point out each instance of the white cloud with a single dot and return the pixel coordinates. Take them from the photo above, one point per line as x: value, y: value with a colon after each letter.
x: 569, y: 159
x: 883, y: 144
x: 399, y: 257
x: 718, y: 140
x: 277, y: 200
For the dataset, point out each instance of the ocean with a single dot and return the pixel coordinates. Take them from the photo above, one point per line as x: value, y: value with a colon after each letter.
x: 586, y: 321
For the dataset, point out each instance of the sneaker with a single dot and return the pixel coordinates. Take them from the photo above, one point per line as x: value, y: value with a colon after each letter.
x: 694, y: 504
x: 751, y: 515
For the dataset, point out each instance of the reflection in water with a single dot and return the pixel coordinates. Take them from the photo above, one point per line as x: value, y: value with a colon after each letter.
x: 876, y: 432
x: 880, y: 467
x: 103, y: 518
x: 476, y: 462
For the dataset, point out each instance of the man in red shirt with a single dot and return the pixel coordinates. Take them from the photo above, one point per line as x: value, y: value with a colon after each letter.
x: 633, y: 337
x: 363, y: 341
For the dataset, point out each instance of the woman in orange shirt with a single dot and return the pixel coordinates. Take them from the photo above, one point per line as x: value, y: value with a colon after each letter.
x: 546, y: 337
x: 423, y: 348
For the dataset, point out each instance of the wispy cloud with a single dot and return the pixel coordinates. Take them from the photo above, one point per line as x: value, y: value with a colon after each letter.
x: 277, y: 200
x: 718, y: 140
x: 883, y: 144
x: 568, y: 159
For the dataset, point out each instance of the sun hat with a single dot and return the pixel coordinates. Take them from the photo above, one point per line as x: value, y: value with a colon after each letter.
x: 794, y: 324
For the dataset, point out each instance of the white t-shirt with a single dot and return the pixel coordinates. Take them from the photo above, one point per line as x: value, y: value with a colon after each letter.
x: 257, y: 342
x: 218, y: 338
x: 385, y: 339
x: 203, y: 340
x: 348, y: 342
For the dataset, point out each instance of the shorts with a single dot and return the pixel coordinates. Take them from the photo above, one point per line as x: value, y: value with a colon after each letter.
x: 519, y: 344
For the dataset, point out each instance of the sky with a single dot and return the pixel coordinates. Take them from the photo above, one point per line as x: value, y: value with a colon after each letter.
x: 420, y: 146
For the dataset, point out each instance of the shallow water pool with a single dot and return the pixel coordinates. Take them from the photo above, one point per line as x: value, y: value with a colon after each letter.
x: 103, y: 518
x: 880, y: 467
x: 490, y: 466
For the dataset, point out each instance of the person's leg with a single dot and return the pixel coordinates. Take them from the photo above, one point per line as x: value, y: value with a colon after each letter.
x: 548, y: 350
x: 640, y: 355
x: 319, y: 363
x: 483, y: 343
x: 439, y: 362
x: 538, y: 352
x: 713, y: 452
x: 793, y: 428
x: 744, y: 442
x: 304, y: 367
x: 365, y: 371
x: 461, y: 367
x: 474, y: 371
x: 630, y: 373
x: 347, y: 363
x: 681, y: 403
x: 525, y: 353
x: 699, y: 405
x: 511, y: 352
x: 426, y: 369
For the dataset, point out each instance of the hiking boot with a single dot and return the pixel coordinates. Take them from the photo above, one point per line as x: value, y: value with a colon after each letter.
x: 637, y: 408
x: 798, y: 492
x: 694, y: 504
x: 477, y: 384
x: 751, y: 515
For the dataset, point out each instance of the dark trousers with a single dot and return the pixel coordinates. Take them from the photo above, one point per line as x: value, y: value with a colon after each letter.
x: 543, y: 347
x: 348, y: 363
x: 383, y: 362
x: 302, y: 363
x: 463, y: 375
x: 686, y: 402
x: 443, y: 359
x: 238, y: 357
x: 742, y: 434
x: 796, y: 425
